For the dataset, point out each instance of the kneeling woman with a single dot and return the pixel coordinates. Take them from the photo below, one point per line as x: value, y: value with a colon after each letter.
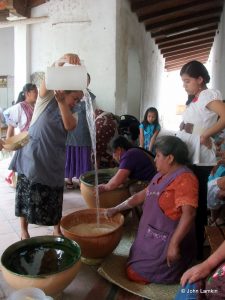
x: 165, y: 243
x: 135, y: 164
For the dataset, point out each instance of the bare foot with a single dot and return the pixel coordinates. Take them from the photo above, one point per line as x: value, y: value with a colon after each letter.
x: 57, y: 233
x: 24, y: 236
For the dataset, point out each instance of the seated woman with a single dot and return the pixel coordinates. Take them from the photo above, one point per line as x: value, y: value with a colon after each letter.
x: 106, y: 129
x: 216, y: 193
x: 134, y: 163
x: 209, y: 276
x: 165, y: 242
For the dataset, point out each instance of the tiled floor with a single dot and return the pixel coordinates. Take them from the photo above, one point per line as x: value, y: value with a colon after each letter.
x: 9, y: 224
x: 10, y: 231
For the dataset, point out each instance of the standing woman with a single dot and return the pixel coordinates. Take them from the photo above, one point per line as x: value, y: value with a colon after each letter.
x: 200, y: 124
x: 78, y: 144
x: 40, y: 164
x: 18, y: 116
x: 106, y: 130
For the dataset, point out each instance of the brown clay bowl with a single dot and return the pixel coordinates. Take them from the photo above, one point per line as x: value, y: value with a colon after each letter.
x: 49, y: 263
x: 106, y: 199
x: 93, y: 246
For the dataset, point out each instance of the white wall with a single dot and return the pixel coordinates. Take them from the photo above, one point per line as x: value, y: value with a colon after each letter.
x: 216, y: 63
x: 85, y: 27
x: 7, y: 65
x: 136, y: 51
x: 7, y: 55
x: 22, y: 57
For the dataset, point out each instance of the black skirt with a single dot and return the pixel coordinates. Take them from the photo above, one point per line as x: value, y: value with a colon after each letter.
x: 38, y: 203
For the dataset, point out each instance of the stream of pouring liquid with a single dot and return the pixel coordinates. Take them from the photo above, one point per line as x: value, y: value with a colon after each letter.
x: 90, y: 115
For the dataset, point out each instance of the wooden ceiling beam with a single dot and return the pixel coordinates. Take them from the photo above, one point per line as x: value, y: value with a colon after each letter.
x: 155, y: 6
x: 20, y: 7
x: 135, y: 5
x: 34, y: 3
x: 188, y: 41
x: 182, y: 36
x: 3, y: 15
x: 188, y: 19
x: 183, y: 30
x: 196, y: 50
x: 181, y: 8
x: 179, y: 64
x: 190, y: 46
x: 187, y: 56
x: 185, y: 59
x: 188, y: 28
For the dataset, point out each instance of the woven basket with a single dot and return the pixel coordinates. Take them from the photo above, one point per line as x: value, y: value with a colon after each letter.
x: 16, y: 142
x: 113, y: 269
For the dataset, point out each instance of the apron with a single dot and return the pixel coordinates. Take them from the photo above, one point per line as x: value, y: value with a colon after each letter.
x: 149, y: 251
x: 42, y: 160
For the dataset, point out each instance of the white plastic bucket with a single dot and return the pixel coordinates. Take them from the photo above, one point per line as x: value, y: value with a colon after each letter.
x: 28, y: 294
x: 67, y: 78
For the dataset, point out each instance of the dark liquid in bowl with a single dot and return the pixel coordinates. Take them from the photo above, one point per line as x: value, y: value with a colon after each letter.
x: 40, y: 261
x: 102, y: 178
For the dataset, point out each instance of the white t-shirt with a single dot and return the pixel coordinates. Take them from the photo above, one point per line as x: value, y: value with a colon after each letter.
x: 16, y: 117
x: 40, y: 105
x: 198, y: 114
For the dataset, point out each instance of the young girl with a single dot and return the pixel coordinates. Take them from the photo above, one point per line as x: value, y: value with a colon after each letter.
x: 149, y: 129
x: 203, y: 118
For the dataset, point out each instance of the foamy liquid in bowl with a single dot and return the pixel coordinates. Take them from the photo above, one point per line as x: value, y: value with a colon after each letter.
x: 92, y: 229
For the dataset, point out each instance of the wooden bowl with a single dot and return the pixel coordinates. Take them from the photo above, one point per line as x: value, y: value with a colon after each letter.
x: 49, y: 263
x: 17, y: 141
x: 106, y: 199
x: 93, y: 246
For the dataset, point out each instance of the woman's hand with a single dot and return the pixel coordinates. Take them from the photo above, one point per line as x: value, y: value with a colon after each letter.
x: 110, y: 212
x: 173, y: 254
x: 195, y: 273
x: 206, y: 141
x: 59, y: 96
x: 101, y: 188
x: 69, y: 58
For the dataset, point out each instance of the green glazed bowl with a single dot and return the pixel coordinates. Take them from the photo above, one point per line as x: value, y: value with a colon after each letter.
x: 106, y: 199
x: 46, y: 262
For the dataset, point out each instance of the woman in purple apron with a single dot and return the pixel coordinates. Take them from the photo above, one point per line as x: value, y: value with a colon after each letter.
x: 165, y: 243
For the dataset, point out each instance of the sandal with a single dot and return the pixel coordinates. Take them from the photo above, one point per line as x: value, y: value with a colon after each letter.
x: 69, y: 186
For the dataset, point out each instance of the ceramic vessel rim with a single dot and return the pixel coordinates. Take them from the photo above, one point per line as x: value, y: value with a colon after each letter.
x: 100, y: 171
x: 48, y: 238
x: 91, y: 236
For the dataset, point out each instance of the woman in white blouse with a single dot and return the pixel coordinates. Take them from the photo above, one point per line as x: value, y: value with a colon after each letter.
x: 203, y: 118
